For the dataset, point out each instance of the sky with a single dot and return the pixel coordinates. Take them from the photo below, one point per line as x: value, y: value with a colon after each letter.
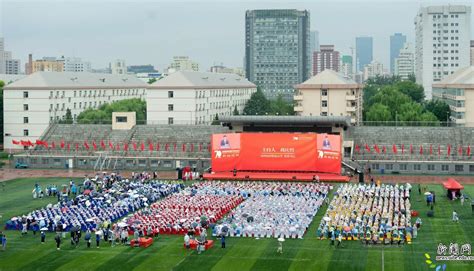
x: 209, y: 32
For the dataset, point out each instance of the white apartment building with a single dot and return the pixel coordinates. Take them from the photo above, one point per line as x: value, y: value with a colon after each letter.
x: 12, y: 66
x: 182, y: 63
x: 329, y: 94
x: 188, y: 97
x: 118, y: 67
x: 442, y: 43
x: 76, y: 64
x: 405, y: 62
x: 32, y: 103
x: 8, y: 65
x: 223, y: 69
x: 373, y: 69
x: 457, y: 90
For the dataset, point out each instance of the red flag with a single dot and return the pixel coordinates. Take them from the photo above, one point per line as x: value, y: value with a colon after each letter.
x: 117, y: 146
x: 111, y: 146
x: 357, y: 148
x: 39, y: 142
x: 94, y: 145
x: 184, y: 147
x: 102, y: 144
x: 134, y: 146
x: 53, y: 145
x: 62, y: 144
x: 157, y: 146
x: 77, y: 147
x: 403, y: 149
x: 439, y: 149
x: 167, y: 147
x: 367, y: 148
x: 431, y: 149
x: 142, y: 146
x: 421, y: 149
x: 209, y: 147
x: 376, y: 148
x: 192, y: 147
x: 150, y: 146
x: 86, y: 145
x: 468, y: 152
x: 411, y: 148
x: 460, y: 150
x: 394, y: 148
x: 449, y: 150
x: 384, y: 149
x: 200, y: 146
x: 125, y: 146
x: 174, y: 147
x: 68, y: 147
x: 14, y: 142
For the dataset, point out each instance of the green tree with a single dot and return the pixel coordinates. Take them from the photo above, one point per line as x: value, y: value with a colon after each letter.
x: 258, y: 104
x: 236, y: 112
x: 379, y: 112
x: 216, y: 120
x: 104, y: 113
x: 390, y: 97
x: 413, y: 90
x: 281, y: 107
x: 412, y: 78
x: 439, y: 108
x: 67, y: 118
x: 2, y: 84
x: 151, y: 81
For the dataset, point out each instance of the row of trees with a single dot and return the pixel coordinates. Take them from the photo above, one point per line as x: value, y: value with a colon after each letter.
x: 390, y: 99
x: 104, y: 113
x: 258, y: 104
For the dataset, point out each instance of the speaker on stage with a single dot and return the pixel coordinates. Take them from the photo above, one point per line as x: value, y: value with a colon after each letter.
x: 361, y: 176
x: 180, y: 173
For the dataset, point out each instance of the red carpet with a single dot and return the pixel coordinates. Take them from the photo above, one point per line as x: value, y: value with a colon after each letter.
x: 275, y: 176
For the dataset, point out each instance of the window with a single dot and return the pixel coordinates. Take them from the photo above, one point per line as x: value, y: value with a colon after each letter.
x: 444, y: 167
x: 25, y: 94
x: 170, y: 120
x: 375, y: 166
x: 431, y: 167
x: 417, y: 167
x: 471, y: 168
x: 25, y: 120
x: 170, y: 107
x: 324, y: 92
x: 458, y: 168
x: 121, y: 119
x: 403, y: 166
x: 324, y: 103
x: 25, y: 132
x: 25, y: 107
x: 389, y: 166
x: 170, y: 94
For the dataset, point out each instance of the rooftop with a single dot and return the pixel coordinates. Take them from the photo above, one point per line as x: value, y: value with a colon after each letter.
x: 73, y: 80
x: 328, y: 78
x: 463, y: 76
x: 317, y: 120
x: 193, y: 79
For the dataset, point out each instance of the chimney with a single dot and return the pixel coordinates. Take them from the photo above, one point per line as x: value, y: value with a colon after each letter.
x: 29, y: 66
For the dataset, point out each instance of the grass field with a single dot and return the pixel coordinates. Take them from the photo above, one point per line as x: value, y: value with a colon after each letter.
x: 167, y: 253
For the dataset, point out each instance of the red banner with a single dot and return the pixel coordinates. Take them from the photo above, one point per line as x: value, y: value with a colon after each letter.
x: 279, y: 151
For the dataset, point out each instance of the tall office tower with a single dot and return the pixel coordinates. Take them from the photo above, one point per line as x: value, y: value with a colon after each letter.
x: 326, y: 58
x: 443, y: 34
x: 364, y: 52
x: 277, y: 50
x: 405, y: 62
x: 397, y: 41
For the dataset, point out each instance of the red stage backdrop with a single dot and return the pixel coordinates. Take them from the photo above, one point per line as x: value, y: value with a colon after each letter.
x: 277, y: 151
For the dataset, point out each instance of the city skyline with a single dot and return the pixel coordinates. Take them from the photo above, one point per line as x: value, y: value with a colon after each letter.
x: 146, y: 32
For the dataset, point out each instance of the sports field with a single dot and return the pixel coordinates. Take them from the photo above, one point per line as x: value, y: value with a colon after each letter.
x: 167, y: 253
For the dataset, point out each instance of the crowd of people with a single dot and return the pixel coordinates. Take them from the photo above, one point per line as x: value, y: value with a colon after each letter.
x: 369, y: 212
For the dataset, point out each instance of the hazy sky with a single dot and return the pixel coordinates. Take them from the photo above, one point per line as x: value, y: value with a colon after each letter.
x: 152, y: 32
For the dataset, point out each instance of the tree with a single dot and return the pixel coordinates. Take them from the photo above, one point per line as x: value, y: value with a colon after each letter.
x: 412, y: 78
x: 104, y: 113
x: 379, y: 112
x: 216, y: 120
x: 281, y: 107
x: 67, y: 118
x: 439, y: 108
x: 413, y: 90
x: 2, y: 84
x: 390, y: 97
x: 151, y: 81
x: 236, y: 112
x: 258, y: 104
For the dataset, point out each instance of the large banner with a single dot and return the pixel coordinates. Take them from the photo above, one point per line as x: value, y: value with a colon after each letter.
x: 277, y: 152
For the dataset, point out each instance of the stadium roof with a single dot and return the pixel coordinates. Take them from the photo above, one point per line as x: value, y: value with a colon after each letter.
x: 76, y: 80
x: 330, y: 79
x: 193, y: 79
x: 463, y: 77
x: 314, y: 120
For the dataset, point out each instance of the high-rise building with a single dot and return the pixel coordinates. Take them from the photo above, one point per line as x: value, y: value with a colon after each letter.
x: 405, y: 62
x: 75, y: 64
x: 364, y: 52
x: 277, y: 50
x: 12, y: 66
x: 8, y: 65
x: 314, y: 41
x: 118, y: 67
x: 472, y: 52
x: 397, y: 41
x: 326, y: 58
x: 373, y: 69
x: 442, y: 43
x: 47, y: 64
x: 183, y: 63
x: 346, y: 66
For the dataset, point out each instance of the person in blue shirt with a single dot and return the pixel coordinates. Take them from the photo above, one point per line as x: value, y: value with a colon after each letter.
x: 223, y: 240
x: 326, y: 143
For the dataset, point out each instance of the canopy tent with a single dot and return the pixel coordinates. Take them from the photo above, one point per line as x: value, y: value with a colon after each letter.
x: 454, y: 188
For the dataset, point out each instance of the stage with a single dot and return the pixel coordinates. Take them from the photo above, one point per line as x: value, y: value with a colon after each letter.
x: 275, y: 176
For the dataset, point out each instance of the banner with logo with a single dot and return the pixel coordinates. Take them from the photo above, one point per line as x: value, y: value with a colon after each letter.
x: 277, y: 152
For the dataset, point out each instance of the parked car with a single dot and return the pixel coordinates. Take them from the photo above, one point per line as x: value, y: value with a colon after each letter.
x: 21, y: 165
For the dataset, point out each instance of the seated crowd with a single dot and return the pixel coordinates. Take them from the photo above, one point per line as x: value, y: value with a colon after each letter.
x: 369, y: 212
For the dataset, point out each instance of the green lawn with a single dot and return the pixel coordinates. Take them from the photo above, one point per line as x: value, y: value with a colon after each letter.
x: 26, y: 253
